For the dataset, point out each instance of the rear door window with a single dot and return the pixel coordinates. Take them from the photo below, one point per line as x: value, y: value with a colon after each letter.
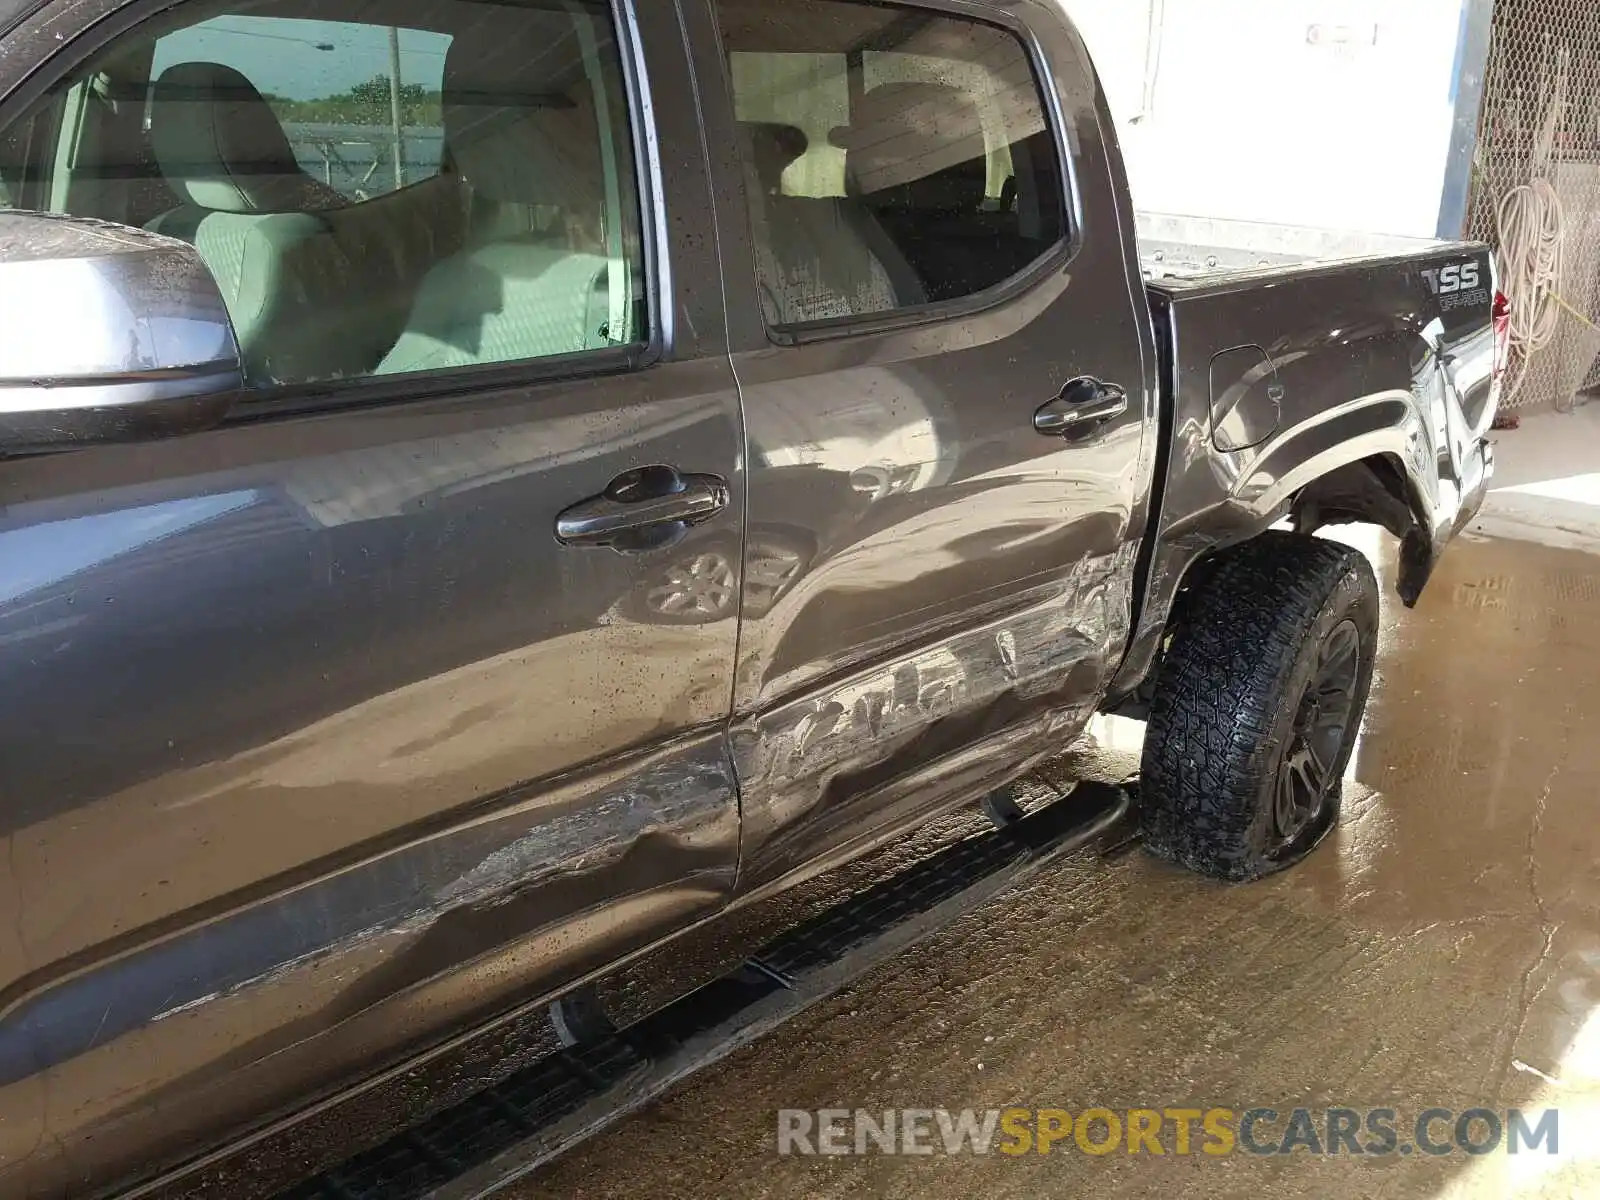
x: 895, y: 157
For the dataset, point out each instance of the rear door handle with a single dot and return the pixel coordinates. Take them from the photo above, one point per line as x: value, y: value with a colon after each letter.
x: 1083, y: 404
x: 640, y: 503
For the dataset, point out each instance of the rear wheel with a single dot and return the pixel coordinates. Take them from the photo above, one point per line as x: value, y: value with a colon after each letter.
x: 1257, y: 705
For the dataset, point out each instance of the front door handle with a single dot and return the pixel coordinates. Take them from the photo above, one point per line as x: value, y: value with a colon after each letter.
x: 643, y: 509
x: 1083, y: 404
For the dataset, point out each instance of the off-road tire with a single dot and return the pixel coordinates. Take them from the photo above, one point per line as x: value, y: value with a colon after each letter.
x: 1229, y: 698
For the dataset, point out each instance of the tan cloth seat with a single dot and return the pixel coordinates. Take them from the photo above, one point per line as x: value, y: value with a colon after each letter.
x: 318, y: 287
x: 524, y: 136
x: 818, y: 257
x: 251, y: 212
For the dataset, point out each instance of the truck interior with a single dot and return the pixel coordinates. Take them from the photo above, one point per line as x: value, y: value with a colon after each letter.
x: 367, y: 214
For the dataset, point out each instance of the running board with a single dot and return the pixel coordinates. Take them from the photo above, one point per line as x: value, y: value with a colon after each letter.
x: 501, y: 1134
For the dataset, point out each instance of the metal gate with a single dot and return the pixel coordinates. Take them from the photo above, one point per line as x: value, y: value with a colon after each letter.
x: 1536, y: 192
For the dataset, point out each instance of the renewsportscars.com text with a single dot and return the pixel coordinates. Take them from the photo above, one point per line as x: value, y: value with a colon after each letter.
x: 1215, y: 1132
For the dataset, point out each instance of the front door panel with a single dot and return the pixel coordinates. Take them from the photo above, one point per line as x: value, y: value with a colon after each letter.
x: 275, y: 775
x: 317, y: 744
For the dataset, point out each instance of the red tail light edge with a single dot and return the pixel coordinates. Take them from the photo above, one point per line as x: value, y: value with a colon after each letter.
x: 1502, y: 332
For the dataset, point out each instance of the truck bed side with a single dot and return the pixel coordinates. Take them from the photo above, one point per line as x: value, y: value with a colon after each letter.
x: 1351, y: 391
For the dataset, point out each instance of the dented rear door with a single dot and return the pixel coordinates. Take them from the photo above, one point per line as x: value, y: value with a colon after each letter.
x: 934, y: 313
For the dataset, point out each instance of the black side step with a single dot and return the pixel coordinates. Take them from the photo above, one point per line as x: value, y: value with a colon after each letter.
x: 506, y: 1131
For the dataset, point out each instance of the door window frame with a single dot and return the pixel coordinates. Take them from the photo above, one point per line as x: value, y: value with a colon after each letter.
x: 1057, y: 258
x: 61, y: 39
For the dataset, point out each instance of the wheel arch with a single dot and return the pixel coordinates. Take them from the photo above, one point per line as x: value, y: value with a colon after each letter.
x: 1372, y: 477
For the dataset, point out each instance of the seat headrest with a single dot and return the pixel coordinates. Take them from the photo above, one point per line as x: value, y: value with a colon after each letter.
x: 905, y: 132
x: 519, y: 122
x: 772, y: 147
x: 220, y: 146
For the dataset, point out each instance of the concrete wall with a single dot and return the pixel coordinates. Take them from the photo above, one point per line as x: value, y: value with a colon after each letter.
x: 1328, y: 113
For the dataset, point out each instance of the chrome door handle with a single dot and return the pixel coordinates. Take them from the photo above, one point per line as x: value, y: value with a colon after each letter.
x: 638, y: 503
x: 1082, y: 405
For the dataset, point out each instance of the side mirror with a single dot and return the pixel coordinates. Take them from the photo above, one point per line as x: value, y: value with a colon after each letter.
x: 107, y: 334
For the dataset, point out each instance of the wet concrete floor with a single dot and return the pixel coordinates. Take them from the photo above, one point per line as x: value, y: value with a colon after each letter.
x: 1442, y: 950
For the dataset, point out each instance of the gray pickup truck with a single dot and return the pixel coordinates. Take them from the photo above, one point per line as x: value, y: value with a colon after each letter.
x: 490, y: 491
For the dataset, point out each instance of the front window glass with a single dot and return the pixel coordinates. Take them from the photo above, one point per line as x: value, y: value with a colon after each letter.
x: 449, y: 190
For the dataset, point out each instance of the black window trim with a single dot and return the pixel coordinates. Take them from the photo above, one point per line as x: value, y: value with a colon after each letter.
x: 110, y: 20
x: 1056, y: 258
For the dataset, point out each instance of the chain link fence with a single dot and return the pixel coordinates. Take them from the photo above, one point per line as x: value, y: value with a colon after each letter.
x: 1536, y: 192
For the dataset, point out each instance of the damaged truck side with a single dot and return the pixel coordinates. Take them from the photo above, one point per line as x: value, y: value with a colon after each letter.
x: 443, y: 565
